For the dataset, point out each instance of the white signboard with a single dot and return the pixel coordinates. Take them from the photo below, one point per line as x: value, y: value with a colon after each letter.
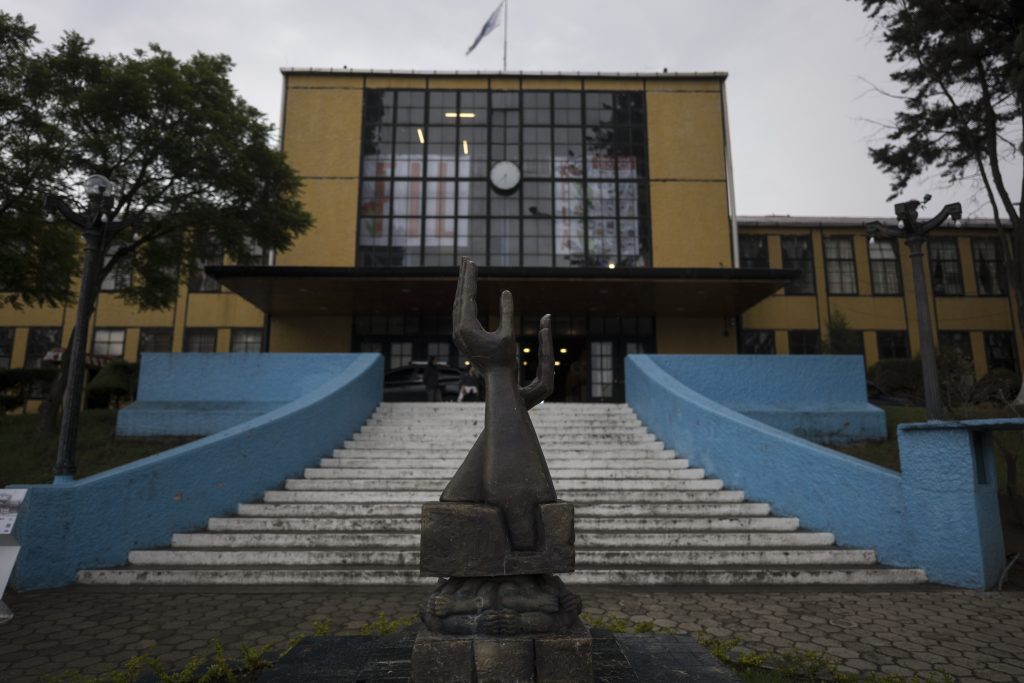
x: 10, y: 501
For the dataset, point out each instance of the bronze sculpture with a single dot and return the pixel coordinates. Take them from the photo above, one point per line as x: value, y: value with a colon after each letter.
x: 499, y: 533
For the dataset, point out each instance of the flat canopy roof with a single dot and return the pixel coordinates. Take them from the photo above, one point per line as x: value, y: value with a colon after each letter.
x: 681, y: 292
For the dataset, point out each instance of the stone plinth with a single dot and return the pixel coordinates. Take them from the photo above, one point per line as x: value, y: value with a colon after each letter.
x: 470, y: 539
x: 534, y: 658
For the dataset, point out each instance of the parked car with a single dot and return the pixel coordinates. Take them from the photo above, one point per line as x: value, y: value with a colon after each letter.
x: 880, y: 398
x: 405, y: 383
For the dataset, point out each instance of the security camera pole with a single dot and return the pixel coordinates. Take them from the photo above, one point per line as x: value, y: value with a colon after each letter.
x: 96, y: 227
x: 908, y: 228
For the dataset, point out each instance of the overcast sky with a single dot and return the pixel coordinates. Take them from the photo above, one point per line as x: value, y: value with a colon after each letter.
x: 801, y: 110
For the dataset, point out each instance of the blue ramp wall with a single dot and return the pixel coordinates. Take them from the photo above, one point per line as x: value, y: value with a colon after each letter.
x: 195, y: 394
x: 821, y: 398
x: 940, y: 514
x: 96, y: 521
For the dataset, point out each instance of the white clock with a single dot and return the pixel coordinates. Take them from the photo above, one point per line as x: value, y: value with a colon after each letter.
x: 505, y: 176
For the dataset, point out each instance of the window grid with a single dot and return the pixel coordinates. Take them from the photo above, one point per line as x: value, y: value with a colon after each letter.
x: 41, y: 340
x: 753, y: 251
x: 797, y: 254
x: 759, y: 342
x: 583, y: 199
x: 989, y: 270
x: 999, y: 351
x: 155, y: 339
x: 840, y: 266
x: 883, y: 257
x: 199, y: 281
x: 6, y: 346
x: 804, y: 342
x: 956, y: 342
x: 400, y: 354
x: 944, y: 257
x: 108, y: 341
x: 246, y: 340
x: 602, y: 369
x: 892, y: 344
x: 200, y: 340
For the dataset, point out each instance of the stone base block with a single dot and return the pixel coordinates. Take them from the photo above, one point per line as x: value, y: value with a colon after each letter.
x: 547, y: 658
x: 469, y: 539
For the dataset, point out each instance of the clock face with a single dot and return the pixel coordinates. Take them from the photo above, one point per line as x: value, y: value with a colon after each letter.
x: 505, y: 176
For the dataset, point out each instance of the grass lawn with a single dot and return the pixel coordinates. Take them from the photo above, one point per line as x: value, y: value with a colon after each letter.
x: 886, y: 453
x: 27, y: 458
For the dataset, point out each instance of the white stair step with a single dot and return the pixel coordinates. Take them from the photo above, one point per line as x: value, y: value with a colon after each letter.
x: 567, y: 488
x: 584, y: 541
x: 579, y: 497
x: 315, y: 524
x: 583, y: 524
x: 220, y: 557
x: 464, y: 446
x: 358, y: 462
x: 557, y: 473
x: 413, y: 510
x: 552, y: 455
x: 376, y: 576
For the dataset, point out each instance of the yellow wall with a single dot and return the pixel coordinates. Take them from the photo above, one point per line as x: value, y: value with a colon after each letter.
x: 869, y: 314
x: 695, y: 335
x: 310, y: 334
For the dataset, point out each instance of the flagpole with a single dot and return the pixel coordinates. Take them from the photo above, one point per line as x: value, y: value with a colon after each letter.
x: 504, y: 55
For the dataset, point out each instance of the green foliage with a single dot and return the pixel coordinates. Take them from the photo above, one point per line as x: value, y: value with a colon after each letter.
x: 899, y: 377
x: 382, y: 625
x: 192, y: 163
x: 27, y: 457
x: 621, y: 625
x: 796, y: 665
x: 16, y: 385
x: 114, y: 382
x: 842, y: 339
x: 999, y: 386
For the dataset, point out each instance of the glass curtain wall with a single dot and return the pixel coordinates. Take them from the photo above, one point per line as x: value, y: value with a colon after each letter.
x: 426, y: 200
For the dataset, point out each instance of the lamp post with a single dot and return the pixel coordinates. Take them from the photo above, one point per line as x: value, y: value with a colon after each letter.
x: 914, y: 232
x: 96, y: 227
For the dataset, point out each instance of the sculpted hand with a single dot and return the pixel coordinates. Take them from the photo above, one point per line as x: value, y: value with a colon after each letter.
x: 488, y: 350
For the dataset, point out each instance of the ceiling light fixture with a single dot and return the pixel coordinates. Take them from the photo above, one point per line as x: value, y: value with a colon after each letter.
x: 419, y: 134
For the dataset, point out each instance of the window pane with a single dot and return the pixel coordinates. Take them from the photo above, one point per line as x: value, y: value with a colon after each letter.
x: 797, y: 255
x: 840, y: 269
x: 247, y: 340
x: 41, y: 340
x: 757, y: 341
x: 885, y: 268
x: 200, y: 340
x: 753, y: 251
x: 6, y: 346
x: 108, y: 342
x: 945, y: 266
x: 155, y: 339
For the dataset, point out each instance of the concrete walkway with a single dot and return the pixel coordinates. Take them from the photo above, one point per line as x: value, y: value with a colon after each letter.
x: 971, y: 636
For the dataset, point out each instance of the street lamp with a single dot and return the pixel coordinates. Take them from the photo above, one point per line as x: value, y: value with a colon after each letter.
x: 96, y: 228
x: 914, y: 232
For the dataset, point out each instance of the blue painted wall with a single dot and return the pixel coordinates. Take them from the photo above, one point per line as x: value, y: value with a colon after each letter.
x: 96, y: 521
x: 177, y: 393
x: 922, y: 518
x: 821, y: 398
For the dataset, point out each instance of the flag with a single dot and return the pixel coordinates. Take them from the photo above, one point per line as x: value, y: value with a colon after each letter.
x: 489, y: 25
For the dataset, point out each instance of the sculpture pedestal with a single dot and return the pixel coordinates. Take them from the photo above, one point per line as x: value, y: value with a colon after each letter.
x: 534, y: 658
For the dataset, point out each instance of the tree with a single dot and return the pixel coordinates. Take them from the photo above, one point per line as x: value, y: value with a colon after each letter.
x: 192, y: 164
x: 960, y: 66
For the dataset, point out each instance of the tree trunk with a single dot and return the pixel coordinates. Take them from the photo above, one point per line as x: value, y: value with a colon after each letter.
x: 49, y: 410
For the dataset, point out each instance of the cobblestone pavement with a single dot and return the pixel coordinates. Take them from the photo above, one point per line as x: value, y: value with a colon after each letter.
x: 972, y: 636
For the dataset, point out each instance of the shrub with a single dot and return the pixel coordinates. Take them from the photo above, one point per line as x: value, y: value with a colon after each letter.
x: 900, y: 377
x: 113, y: 382
x: 998, y: 386
x: 19, y: 384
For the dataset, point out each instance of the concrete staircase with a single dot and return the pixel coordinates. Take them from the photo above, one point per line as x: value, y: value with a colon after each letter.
x: 643, y: 515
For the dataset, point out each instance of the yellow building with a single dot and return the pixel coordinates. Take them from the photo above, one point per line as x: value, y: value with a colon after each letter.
x: 603, y: 199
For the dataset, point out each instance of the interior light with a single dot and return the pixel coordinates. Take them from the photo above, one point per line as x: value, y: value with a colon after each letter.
x: 467, y: 362
x: 524, y: 362
x: 563, y: 350
x: 419, y: 134
x: 450, y: 115
x: 557, y: 363
x: 465, y: 147
x: 459, y: 115
x: 611, y: 266
x: 526, y: 349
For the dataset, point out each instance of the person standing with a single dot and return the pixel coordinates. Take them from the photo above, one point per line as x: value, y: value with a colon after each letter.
x: 432, y: 380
